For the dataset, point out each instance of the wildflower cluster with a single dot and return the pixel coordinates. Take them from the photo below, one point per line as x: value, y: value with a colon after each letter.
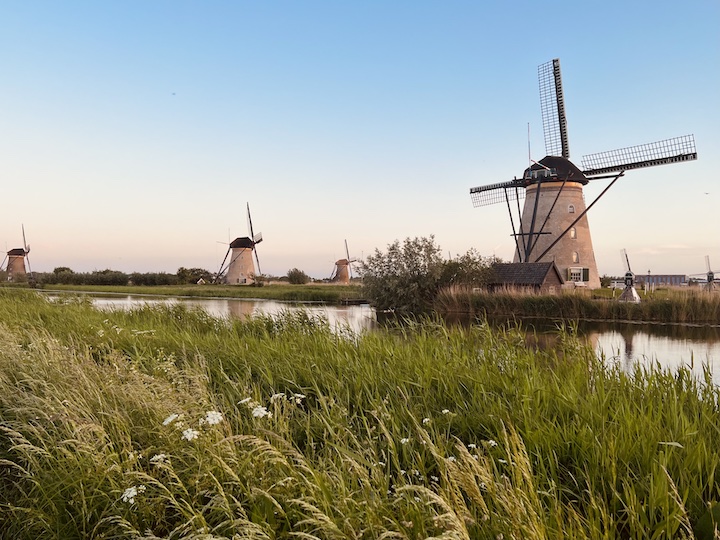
x: 211, y: 418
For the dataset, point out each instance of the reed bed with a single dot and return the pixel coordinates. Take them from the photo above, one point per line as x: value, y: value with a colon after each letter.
x: 167, y: 423
x: 686, y: 306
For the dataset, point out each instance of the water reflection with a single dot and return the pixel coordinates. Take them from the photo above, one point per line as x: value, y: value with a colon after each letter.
x: 627, y: 343
x: 357, y: 318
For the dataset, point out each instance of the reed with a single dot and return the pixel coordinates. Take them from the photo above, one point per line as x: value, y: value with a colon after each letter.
x: 167, y: 423
x: 682, y: 306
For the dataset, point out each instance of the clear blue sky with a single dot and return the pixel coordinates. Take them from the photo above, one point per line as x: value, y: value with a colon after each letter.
x: 133, y: 133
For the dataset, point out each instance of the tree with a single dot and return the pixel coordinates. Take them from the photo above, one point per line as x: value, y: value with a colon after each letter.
x: 405, y: 278
x: 469, y: 270
x: 193, y: 275
x: 297, y: 277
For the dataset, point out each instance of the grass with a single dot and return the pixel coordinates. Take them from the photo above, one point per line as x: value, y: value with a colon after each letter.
x: 418, y: 431
x: 328, y: 293
x: 689, y: 306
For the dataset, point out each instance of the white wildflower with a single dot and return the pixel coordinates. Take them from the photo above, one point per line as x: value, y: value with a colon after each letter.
x: 451, y: 459
x: 244, y: 401
x: 158, y: 458
x: 446, y: 411
x: 261, y: 412
x: 404, y: 440
x: 472, y: 446
x: 275, y: 397
x: 170, y: 419
x: 213, y: 417
x: 130, y: 493
x: 297, y: 398
x: 189, y: 434
x: 492, y: 443
x: 426, y: 420
x: 434, y: 478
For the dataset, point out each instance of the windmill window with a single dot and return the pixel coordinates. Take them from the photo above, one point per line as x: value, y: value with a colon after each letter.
x: 573, y: 233
x: 576, y: 257
x: 571, y: 208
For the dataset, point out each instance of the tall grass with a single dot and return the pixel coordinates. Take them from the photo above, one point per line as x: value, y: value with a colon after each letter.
x: 686, y: 306
x: 421, y: 431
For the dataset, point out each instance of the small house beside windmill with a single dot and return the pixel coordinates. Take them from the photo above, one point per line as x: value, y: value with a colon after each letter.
x: 342, y: 273
x: 539, y: 277
x: 240, y: 269
x: 553, y: 224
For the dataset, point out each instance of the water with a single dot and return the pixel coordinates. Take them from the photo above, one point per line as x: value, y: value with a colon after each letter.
x: 669, y: 345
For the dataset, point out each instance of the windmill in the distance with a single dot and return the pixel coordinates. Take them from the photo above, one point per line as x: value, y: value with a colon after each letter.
x: 553, y: 225
x: 629, y: 293
x: 240, y: 267
x: 342, y: 273
x: 712, y: 282
x: 16, y: 258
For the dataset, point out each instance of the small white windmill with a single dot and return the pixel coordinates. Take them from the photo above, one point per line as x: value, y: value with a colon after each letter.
x: 712, y: 282
x: 342, y: 273
x: 629, y: 294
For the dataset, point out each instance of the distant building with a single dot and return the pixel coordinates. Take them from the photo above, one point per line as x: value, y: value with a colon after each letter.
x: 539, y: 277
x: 661, y: 280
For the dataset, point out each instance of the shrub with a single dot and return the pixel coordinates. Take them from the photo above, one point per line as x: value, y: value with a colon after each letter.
x: 297, y: 277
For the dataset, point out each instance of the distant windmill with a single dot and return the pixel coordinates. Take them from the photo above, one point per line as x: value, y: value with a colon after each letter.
x: 16, y: 262
x: 712, y: 282
x: 342, y: 273
x: 553, y: 225
x: 629, y: 294
x: 240, y: 267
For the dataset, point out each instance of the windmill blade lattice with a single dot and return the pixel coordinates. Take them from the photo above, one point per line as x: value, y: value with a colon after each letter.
x: 664, y: 152
x: 552, y: 106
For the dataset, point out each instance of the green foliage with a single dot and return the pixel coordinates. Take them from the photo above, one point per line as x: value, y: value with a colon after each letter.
x: 405, y: 278
x: 297, y: 277
x: 193, y: 275
x: 426, y: 431
x: 408, y: 277
x: 468, y: 270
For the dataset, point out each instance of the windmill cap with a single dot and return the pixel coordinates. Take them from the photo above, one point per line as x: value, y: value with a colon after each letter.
x: 17, y: 251
x: 565, y: 169
x: 243, y: 242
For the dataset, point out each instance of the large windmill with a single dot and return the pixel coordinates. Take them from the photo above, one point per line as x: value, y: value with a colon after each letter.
x: 342, y: 273
x: 553, y: 225
x: 16, y: 258
x: 240, y: 267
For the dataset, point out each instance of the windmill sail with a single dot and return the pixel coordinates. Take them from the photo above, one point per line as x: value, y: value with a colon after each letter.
x: 552, y: 107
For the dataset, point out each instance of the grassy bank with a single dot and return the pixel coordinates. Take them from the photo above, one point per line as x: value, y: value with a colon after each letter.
x: 669, y: 306
x: 167, y: 423
x: 328, y: 293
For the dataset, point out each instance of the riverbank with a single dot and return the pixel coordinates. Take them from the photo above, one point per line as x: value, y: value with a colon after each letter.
x: 327, y: 293
x: 663, y: 306
x: 164, y: 422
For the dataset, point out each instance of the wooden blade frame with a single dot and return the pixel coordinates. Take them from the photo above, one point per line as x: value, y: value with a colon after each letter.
x: 663, y: 152
x: 552, y: 107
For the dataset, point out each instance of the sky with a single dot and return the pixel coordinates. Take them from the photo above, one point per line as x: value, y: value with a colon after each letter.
x: 134, y: 134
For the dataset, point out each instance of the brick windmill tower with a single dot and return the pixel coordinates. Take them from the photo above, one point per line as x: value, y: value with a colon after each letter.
x: 342, y: 273
x: 553, y: 224
x: 240, y: 268
x: 16, y: 258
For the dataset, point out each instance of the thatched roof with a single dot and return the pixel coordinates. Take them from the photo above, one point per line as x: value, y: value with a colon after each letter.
x: 523, y: 274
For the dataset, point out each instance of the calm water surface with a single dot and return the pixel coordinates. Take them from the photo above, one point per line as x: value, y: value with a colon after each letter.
x: 669, y: 345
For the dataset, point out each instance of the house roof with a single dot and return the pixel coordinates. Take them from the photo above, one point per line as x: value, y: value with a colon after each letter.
x: 523, y: 273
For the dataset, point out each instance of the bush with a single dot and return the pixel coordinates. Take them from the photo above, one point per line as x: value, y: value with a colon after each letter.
x: 297, y: 277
